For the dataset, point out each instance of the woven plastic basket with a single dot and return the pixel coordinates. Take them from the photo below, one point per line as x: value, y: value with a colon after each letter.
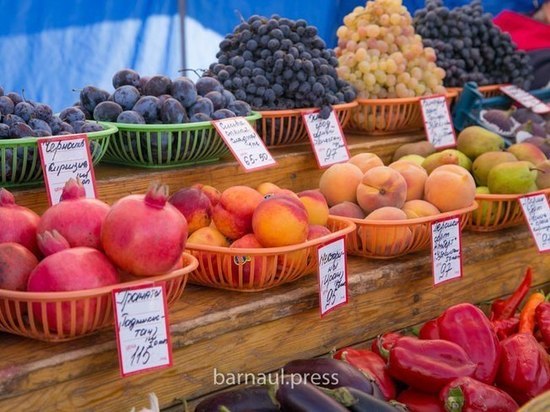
x: 78, y: 313
x: 253, y: 270
x: 24, y: 168
x: 286, y: 127
x: 496, y: 212
x: 167, y: 145
x: 387, y: 239
x: 389, y: 116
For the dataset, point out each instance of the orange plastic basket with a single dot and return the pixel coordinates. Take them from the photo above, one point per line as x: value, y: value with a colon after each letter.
x: 386, y: 239
x: 78, y: 313
x: 286, y: 127
x: 496, y: 212
x: 253, y: 270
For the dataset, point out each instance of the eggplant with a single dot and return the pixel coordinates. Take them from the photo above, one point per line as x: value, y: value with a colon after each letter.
x: 251, y: 399
x: 358, y: 401
x: 331, y: 373
x: 295, y: 395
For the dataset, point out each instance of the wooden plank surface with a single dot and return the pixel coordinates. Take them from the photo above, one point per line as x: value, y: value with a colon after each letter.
x: 236, y: 332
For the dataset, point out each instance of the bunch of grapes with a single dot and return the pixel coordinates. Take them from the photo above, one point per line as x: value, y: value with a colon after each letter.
x: 278, y: 63
x: 382, y: 57
x: 470, y: 47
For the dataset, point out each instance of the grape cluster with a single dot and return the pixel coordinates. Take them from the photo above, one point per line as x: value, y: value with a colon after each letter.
x: 278, y: 63
x: 470, y: 47
x: 159, y: 100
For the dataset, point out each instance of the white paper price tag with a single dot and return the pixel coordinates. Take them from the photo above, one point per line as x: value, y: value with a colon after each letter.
x: 446, y: 250
x: 141, y: 325
x: 333, y: 275
x: 526, y: 99
x: 537, y: 212
x: 245, y: 143
x: 63, y: 158
x: 327, y: 138
x: 437, y: 121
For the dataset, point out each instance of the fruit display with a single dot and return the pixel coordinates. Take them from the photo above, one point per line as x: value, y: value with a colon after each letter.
x: 470, y: 47
x: 517, y: 125
x: 380, y: 54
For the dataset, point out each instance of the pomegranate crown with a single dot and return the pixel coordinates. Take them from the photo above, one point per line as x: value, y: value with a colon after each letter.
x: 157, y: 195
x: 51, y: 242
x: 6, y: 197
x: 73, y: 189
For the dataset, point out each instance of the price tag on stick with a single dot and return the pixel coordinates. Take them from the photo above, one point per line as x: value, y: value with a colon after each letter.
x: 446, y: 250
x: 327, y: 138
x: 333, y: 275
x: 537, y: 212
x: 245, y: 143
x: 65, y: 157
x: 437, y: 121
x: 526, y: 99
x: 141, y: 326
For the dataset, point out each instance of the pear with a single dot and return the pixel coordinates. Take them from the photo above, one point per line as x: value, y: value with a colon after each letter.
x: 413, y: 158
x: 543, y: 175
x: 486, y: 213
x: 446, y: 157
x: 486, y: 161
x: 475, y: 140
x: 512, y: 178
x: 528, y: 152
x: 423, y: 148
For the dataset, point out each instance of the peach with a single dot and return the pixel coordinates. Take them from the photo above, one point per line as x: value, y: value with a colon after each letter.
x: 366, y: 161
x: 347, y: 209
x: 286, y: 192
x: 233, y: 214
x: 317, y: 231
x: 267, y: 188
x: 386, y: 240
x: 381, y: 186
x: 208, y: 236
x: 194, y: 205
x: 248, y: 269
x: 414, y: 175
x: 316, y: 206
x: 450, y: 187
x: 419, y: 208
x: 280, y: 221
x: 339, y: 183
x: 210, y: 191
x: 527, y: 151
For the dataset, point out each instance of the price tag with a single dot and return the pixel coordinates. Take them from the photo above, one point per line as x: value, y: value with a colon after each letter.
x: 437, y: 121
x: 327, y: 138
x: 333, y: 275
x: 65, y: 157
x: 537, y: 212
x: 245, y: 143
x: 446, y: 250
x: 141, y: 324
x: 526, y: 99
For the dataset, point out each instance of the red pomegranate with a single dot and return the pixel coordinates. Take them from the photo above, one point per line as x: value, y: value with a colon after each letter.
x: 17, y: 223
x: 16, y: 264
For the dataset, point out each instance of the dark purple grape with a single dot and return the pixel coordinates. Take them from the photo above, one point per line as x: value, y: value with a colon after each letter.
x: 4, y: 131
x: 208, y: 84
x: 240, y: 108
x: 222, y: 114
x: 78, y: 125
x: 148, y: 107
x: 43, y: 112
x: 202, y: 105
x: 107, y: 111
x: 18, y: 130
x: 199, y: 117
x: 126, y: 96
x: 183, y: 89
x: 39, y: 124
x: 229, y: 97
x: 24, y: 110
x: 72, y: 114
x: 172, y: 112
x: 217, y: 99
x: 15, y: 98
x: 131, y: 117
x: 11, y: 119
x: 90, y: 127
x: 91, y: 96
x: 6, y: 105
x: 157, y: 85
x: 126, y: 77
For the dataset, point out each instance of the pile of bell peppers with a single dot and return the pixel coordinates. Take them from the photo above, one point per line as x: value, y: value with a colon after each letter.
x: 466, y: 360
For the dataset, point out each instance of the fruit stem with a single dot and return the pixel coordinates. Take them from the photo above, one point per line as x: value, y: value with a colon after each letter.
x: 157, y: 195
x: 240, y: 15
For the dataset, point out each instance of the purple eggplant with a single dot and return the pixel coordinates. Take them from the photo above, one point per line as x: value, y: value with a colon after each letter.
x: 295, y: 395
x: 251, y: 399
x: 358, y: 401
x: 331, y: 373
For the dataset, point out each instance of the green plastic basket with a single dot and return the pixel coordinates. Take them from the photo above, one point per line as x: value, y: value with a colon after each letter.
x: 24, y: 169
x: 167, y: 145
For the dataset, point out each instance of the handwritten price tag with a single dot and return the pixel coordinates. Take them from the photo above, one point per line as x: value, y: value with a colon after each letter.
x: 333, y: 275
x: 446, y: 250
x: 141, y: 324
x: 63, y: 158
x: 437, y: 121
x: 525, y: 99
x: 327, y: 139
x: 537, y: 212
x: 245, y: 144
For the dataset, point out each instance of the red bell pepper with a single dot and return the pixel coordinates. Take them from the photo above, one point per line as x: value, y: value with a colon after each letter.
x: 429, y: 330
x: 372, y: 366
x: 506, y: 327
x: 428, y: 365
x: 505, y: 308
x: 470, y: 395
x: 383, y: 343
x: 524, y: 370
x: 527, y: 315
x: 416, y: 401
x: 542, y: 319
x: 468, y: 327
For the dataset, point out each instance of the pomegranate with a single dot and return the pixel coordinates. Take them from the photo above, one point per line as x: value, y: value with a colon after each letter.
x: 17, y: 223
x: 77, y: 218
x: 16, y: 264
x: 143, y: 234
x: 72, y: 269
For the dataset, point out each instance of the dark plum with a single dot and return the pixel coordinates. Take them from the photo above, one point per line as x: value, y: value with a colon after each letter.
x: 11, y: 119
x: 4, y: 131
x: 142, y: 82
x: 148, y: 107
x: 157, y: 85
x: 183, y: 89
x: 199, y: 117
x: 126, y: 77
x: 107, y: 111
x: 72, y: 114
x: 77, y: 125
x: 43, y: 112
x: 208, y: 84
x: 24, y: 110
x: 172, y: 112
x: 91, y: 96
x: 6, y: 105
x: 55, y: 124
x: 90, y: 127
x: 222, y: 114
x: 39, y: 124
x: 131, y: 117
x: 126, y: 96
x: 15, y: 98
x: 202, y: 105
x: 240, y: 108
x: 163, y: 98
x: 41, y: 133
x: 20, y: 129
x: 229, y: 97
x: 217, y: 99
x: 66, y: 128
